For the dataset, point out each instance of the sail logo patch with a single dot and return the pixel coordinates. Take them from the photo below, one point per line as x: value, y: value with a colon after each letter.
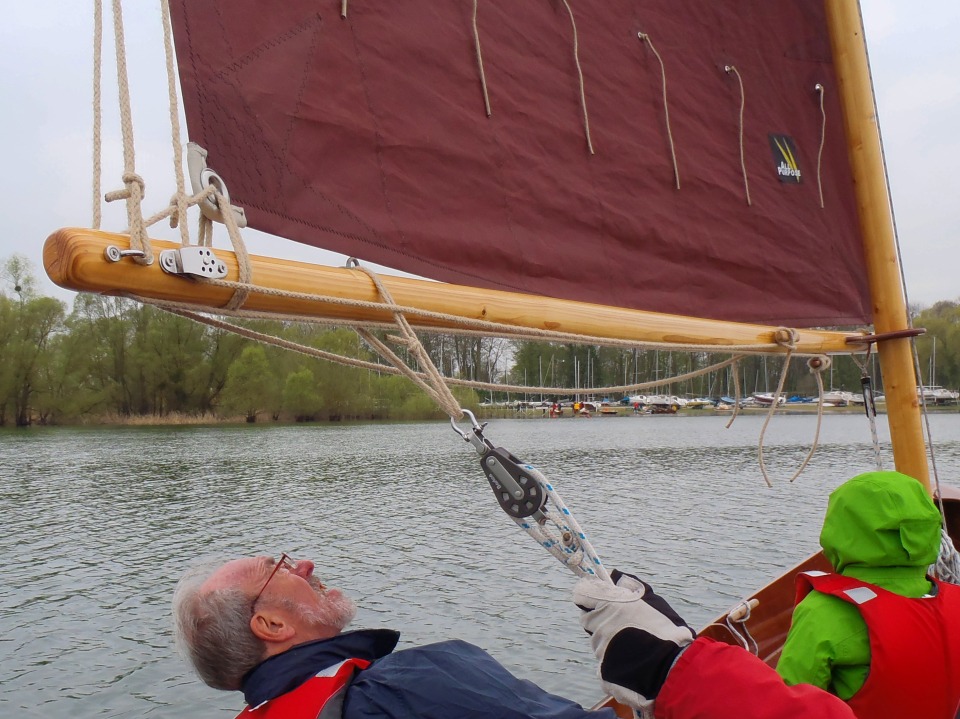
x: 785, y: 158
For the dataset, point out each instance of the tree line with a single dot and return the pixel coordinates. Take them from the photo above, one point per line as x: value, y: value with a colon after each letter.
x: 112, y: 359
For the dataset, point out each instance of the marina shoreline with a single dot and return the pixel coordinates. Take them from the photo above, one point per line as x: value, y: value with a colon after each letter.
x: 618, y: 411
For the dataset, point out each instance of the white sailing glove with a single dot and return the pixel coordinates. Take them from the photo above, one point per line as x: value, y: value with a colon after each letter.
x: 635, y: 635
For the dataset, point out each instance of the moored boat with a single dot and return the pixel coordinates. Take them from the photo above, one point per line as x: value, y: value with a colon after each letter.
x: 938, y: 395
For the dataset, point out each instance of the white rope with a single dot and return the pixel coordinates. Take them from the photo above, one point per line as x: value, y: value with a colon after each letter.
x: 133, y: 184
x: 495, y: 327
x: 816, y: 366
x: 736, y: 395
x: 744, y: 637
x: 97, y: 111
x: 180, y: 198
x: 561, y: 535
x: 874, y: 437
x: 947, y: 567
x: 188, y: 311
x: 240, y: 250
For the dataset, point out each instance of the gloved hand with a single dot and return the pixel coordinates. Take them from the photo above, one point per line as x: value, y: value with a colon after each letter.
x: 634, y: 633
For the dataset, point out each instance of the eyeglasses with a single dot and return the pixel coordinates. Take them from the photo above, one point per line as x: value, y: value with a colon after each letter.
x: 284, y: 561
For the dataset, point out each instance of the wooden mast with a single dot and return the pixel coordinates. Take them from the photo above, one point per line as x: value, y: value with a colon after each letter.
x: 876, y: 223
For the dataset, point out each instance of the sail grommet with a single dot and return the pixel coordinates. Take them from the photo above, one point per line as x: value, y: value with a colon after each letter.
x: 202, y: 178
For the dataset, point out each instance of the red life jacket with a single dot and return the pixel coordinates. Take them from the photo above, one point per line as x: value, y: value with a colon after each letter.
x: 320, y: 697
x: 914, y: 647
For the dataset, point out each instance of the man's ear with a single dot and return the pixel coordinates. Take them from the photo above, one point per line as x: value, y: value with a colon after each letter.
x: 272, y: 626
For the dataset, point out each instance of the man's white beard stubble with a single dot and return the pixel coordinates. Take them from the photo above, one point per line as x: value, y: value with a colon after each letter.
x: 337, y: 610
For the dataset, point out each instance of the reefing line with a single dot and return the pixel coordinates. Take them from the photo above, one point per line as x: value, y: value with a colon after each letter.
x: 743, y: 102
x: 666, y: 108
x: 583, y: 94
x: 823, y: 138
x: 483, y: 75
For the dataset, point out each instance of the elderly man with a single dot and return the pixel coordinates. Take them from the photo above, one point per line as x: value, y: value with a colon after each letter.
x: 271, y: 629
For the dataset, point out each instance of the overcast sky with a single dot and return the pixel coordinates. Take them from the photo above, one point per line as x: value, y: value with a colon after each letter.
x: 45, y: 63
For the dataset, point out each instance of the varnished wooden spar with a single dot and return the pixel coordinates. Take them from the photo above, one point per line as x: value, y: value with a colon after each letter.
x: 879, y: 239
x: 74, y: 259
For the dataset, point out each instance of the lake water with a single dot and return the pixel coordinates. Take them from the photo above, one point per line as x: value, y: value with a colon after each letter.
x: 98, y: 524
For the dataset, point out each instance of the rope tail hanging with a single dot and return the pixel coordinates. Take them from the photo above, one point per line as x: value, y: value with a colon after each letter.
x: 583, y: 94
x: 483, y: 76
x: 816, y: 365
x: 823, y: 138
x: 743, y: 103
x: 666, y: 108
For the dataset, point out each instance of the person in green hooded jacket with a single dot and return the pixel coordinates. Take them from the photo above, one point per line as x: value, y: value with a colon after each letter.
x: 881, y: 528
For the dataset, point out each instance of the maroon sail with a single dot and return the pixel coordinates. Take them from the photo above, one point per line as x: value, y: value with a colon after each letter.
x: 367, y: 135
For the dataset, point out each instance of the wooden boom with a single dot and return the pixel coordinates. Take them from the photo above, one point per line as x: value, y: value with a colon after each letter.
x: 74, y: 259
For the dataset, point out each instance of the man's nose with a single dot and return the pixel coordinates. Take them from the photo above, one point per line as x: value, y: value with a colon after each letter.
x: 303, y: 569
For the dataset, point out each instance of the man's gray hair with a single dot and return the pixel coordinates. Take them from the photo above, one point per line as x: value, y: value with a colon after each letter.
x: 212, y: 629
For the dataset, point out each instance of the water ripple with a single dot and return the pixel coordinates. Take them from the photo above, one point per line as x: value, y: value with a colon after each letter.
x: 99, y: 524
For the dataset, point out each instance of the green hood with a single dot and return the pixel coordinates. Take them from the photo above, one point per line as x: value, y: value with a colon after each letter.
x: 880, y: 520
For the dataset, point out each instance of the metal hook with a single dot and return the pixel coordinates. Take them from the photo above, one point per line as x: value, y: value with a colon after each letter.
x: 477, y: 427
x: 476, y: 438
x: 115, y: 254
x: 453, y: 423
